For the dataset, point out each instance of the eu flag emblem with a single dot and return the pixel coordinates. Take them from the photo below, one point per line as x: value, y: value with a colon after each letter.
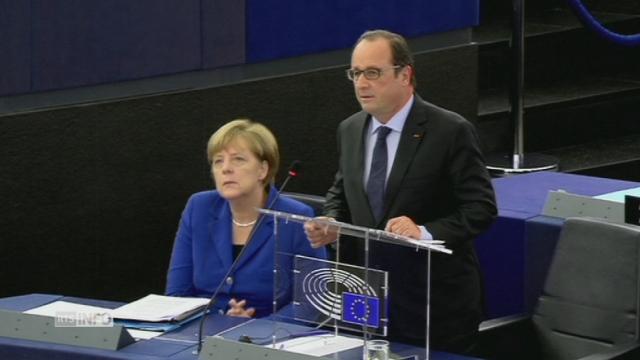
x: 360, y: 309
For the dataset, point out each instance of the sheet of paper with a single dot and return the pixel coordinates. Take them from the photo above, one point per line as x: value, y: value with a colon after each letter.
x: 319, y: 345
x: 58, y: 307
x: 143, y: 334
x: 618, y: 196
x: 160, y: 308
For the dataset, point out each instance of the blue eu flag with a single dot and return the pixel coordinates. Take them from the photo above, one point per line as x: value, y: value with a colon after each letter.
x: 360, y: 309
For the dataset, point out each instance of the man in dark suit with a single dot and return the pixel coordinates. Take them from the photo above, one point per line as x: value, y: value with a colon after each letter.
x: 414, y: 169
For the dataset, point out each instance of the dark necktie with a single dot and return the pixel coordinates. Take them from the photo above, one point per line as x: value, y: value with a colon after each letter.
x: 378, y: 173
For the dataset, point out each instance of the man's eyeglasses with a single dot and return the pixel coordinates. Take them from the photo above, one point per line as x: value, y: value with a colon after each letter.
x: 369, y: 73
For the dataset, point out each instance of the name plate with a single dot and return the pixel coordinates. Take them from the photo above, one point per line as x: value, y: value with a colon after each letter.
x: 44, y: 328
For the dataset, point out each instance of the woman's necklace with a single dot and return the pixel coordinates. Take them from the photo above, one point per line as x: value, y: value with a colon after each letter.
x: 237, y: 223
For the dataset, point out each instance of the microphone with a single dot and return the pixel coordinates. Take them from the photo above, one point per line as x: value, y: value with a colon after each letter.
x: 292, y: 172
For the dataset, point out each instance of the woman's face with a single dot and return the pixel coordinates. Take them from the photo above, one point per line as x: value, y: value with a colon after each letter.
x: 238, y: 172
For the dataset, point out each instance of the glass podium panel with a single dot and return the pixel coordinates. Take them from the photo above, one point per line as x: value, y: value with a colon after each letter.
x: 325, y: 297
x: 367, y: 234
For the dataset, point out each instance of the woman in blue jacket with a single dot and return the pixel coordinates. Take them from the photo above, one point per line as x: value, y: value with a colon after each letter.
x: 216, y: 225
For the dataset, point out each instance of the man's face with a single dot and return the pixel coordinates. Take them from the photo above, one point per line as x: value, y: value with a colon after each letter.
x: 385, y: 96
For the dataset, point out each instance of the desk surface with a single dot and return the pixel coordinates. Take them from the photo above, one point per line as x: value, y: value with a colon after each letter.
x: 523, y: 196
x: 505, y: 254
x: 175, y: 345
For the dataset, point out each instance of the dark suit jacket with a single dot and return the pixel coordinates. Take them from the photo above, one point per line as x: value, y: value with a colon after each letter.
x: 439, y: 180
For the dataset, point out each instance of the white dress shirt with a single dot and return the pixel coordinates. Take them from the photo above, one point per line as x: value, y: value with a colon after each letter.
x: 396, y: 124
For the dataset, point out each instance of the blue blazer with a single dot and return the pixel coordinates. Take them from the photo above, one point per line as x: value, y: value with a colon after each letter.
x: 202, y: 254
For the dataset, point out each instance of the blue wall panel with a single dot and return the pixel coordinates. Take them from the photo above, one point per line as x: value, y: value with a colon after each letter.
x: 50, y: 45
x: 223, y: 33
x: 15, y: 51
x: 78, y: 42
x: 284, y: 28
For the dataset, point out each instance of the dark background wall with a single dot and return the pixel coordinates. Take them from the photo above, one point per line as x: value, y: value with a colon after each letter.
x: 91, y: 195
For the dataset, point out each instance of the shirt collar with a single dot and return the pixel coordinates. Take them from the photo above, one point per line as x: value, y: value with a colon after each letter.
x: 396, y: 123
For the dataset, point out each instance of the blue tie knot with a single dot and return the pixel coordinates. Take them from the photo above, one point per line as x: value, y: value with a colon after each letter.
x: 383, y: 131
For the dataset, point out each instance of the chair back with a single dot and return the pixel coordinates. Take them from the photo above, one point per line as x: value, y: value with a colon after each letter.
x: 316, y: 202
x: 590, y: 297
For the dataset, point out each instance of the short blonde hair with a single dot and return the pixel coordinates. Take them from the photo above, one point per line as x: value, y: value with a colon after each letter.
x: 259, y: 140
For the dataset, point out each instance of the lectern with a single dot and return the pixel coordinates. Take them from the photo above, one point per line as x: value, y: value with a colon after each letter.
x: 328, y: 294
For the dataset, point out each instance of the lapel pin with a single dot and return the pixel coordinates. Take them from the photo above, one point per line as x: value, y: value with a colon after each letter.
x: 417, y: 136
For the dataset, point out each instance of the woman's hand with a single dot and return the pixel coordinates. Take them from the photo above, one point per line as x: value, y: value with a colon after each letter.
x: 237, y: 308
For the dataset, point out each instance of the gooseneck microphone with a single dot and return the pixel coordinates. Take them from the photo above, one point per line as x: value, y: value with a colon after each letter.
x: 292, y: 172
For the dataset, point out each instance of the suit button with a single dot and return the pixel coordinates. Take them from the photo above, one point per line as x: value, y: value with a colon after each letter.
x: 229, y: 281
x: 221, y: 312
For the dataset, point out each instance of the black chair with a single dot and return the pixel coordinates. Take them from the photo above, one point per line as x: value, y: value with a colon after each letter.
x: 589, y: 305
x: 316, y: 202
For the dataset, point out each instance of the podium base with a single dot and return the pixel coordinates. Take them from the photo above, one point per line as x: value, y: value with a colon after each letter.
x: 505, y: 165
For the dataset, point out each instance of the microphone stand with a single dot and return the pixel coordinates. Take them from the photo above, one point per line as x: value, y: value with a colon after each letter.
x: 291, y: 173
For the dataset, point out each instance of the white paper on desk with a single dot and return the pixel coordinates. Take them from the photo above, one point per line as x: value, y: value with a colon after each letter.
x: 618, y: 196
x: 155, y: 308
x: 57, y: 307
x: 318, y: 345
x: 143, y: 334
